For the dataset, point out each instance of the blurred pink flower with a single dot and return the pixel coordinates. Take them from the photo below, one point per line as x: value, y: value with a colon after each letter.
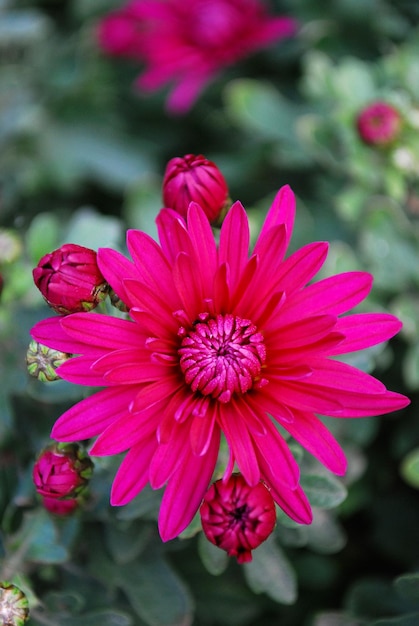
x: 193, y: 178
x: 218, y: 342
x: 60, y: 507
x: 70, y: 280
x: 188, y: 42
x: 236, y: 517
x: 379, y: 123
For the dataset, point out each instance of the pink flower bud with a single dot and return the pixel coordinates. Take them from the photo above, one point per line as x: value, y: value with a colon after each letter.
x: 70, y: 280
x: 194, y: 179
x: 236, y: 517
x: 62, y: 471
x: 60, y: 507
x: 379, y: 124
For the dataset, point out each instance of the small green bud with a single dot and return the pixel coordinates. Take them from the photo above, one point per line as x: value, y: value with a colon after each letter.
x: 14, y: 605
x: 43, y: 362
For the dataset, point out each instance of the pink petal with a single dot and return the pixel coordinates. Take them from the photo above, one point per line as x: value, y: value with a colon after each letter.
x: 144, y: 372
x: 132, y: 475
x: 152, y: 266
x: 169, y: 455
x: 104, y: 331
x: 115, y: 267
x: 333, y: 296
x: 92, y: 415
x: 78, y: 371
x: 152, y: 392
x: 271, y: 247
x: 184, y: 95
x: 293, y: 501
x: 282, y: 211
x: 313, y: 435
x: 302, y: 332
x: 296, y: 271
x: 127, y: 431
x: 363, y: 330
x: 174, y: 237
x: 343, y: 377
x: 50, y: 332
x: 152, y: 301
x: 203, y: 241
x: 234, y: 427
x: 201, y: 431
x: 273, y: 448
x: 185, y: 490
x: 221, y: 289
x: 234, y: 242
x: 188, y: 283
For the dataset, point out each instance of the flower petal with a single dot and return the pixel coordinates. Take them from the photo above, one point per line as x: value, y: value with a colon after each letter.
x: 282, y: 211
x: 115, y: 267
x: 363, y: 330
x: 78, y: 371
x: 186, y: 488
x: 132, y: 475
x: 92, y: 415
x: 104, y: 331
x: 204, y: 245
x: 234, y: 242
x: 239, y: 440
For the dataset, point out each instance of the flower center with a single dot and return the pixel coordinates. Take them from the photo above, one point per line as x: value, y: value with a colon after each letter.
x: 222, y: 356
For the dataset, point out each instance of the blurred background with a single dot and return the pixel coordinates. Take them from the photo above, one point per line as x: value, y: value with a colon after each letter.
x: 82, y: 156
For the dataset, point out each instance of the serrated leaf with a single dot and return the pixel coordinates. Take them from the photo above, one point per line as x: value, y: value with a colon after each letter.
x: 323, y: 491
x: 270, y: 572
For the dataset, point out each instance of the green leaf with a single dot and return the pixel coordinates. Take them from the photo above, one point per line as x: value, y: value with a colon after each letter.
x: 43, y: 236
x: 147, y: 583
x: 410, y: 468
x: 324, y: 534
x: 38, y: 539
x: 404, y: 620
x: 93, y: 230
x: 407, y: 586
x: 99, y: 618
x: 270, y: 572
x: 411, y: 367
x: 214, y: 559
x: 323, y: 491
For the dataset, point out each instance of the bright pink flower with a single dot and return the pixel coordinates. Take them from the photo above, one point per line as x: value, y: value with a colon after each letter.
x: 62, y: 471
x: 236, y: 517
x: 379, y: 123
x: 193, y: 178
x: 70, y: 280
x: 188, y: 42
x: 218, y: 341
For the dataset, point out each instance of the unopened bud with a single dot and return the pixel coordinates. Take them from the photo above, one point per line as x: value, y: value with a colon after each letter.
x: 62, y: 508
x: 195, y: 179
x: 236, y: 517
x: 14, y: 605
x: 42, y: 361
x: 117, y: 302
x: 70, y: 280
x: 379, y: 124
x: 62, y: 470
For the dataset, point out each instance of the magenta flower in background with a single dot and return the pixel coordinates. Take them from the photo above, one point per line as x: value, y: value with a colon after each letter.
x: 236, y: 517
x: 62, y: 508
x: 193, y: 178
x: 379, y: 123
x: 218, y: 341
x: 70, y: 280
x: 186, y: 43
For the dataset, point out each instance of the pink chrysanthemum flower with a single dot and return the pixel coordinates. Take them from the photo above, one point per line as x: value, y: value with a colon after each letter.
x: 219, y: 342
x: 188, y: 42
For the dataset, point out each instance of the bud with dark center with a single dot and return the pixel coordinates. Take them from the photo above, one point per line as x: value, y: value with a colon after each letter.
x: 62, y: 471
x: 237, y: 517
x: 70, y: 280
x: 195, y: 179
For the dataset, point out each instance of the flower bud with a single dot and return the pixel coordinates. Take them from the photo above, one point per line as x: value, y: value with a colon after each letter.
x: 237, y: 517
x: 195, y: 179
x: 70, y: 280
x: 62, y: 508
x: 42, y: 361
x: 62, y: 471
x: 14, y: 605
x: 379, y: 124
